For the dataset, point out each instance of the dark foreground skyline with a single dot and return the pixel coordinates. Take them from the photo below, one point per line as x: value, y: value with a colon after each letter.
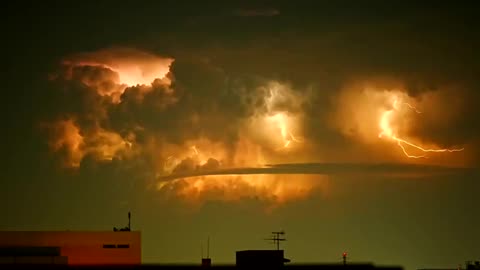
x: 105, y: 101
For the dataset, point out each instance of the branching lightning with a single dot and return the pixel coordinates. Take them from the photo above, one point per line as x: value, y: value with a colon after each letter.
x: 412, y: 107
x: 287, y: 136
x: 387, y: 131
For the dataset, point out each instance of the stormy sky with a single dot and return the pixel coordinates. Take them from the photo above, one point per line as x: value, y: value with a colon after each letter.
x: 352, y: 126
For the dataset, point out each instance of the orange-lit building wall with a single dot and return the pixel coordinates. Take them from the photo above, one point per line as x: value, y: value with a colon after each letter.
x: 82, y: 247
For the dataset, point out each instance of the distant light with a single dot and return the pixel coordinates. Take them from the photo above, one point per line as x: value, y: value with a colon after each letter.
x: 344, y: 254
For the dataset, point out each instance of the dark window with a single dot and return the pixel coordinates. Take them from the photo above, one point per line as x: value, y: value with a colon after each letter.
x: 108, y: 246
x: 123, y: 246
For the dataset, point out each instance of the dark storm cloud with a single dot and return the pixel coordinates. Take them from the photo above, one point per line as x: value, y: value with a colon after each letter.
x: 143, y: 106
x: 199, y: 102
x: 72, y: 98
x: 265, y: 12
x: 196, y: 100
x: 426, y: 62
x: 185, y: 165
x: 425, y: 51
x: 189, y: 165
x: 211, y: 164
x: 218, y: 75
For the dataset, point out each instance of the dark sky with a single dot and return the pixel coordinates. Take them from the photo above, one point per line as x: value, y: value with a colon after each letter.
x: 104, y: 100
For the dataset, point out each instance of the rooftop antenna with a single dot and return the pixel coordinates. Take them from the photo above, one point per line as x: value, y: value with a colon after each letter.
x: 125, y: 229
x: 208, y: 247
x: 207, y: 262
x: 129, y: 217
x: 276, y: 238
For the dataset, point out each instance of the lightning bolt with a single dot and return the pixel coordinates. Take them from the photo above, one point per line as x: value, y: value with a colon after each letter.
x: 412, y: 107
x: 288, y: 139
x: 286, y: 135
x: 194, y: 148
x: 387, y: 131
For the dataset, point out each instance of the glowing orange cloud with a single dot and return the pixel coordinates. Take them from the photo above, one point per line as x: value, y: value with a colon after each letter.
x: 277, y: 124
x: 107, y: 145
x: 388, y: 131
x: 197, y: 152
x: 274, y: 189
x: 269, y: 130
x: 205, y: 155
x: 367, y: 111
x: 109, y: 72
x: 132, y: 67
x: 280, y: 121
x: 67, y: 137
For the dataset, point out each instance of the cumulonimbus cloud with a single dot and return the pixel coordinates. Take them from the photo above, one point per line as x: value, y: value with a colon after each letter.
x: 121, y: 67
x: 200, y: 131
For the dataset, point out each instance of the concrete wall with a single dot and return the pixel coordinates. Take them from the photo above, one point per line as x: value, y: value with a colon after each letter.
x: 33, y: 260
x: 82, y: 247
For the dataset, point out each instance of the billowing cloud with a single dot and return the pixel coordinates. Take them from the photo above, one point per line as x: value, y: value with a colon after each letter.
x: 111, y: 71
x: 210, y: 129
x: 273, y: 189
x: 65, y: 138
x: 97, y: 82
x: 186, y: 119
x: 73, y: 143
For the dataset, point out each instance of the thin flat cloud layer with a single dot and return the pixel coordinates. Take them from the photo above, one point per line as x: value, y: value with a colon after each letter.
x: 385, y: 169
x: 280, y: 183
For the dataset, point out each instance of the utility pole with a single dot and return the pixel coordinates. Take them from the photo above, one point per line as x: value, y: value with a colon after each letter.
x: 344, y: 255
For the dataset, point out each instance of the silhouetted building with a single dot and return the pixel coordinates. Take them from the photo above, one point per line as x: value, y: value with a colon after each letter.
x: 206, y: 262
x: 31, y: 255
x: 341, y: 266
x: 260, y: 258
x: 72, y: 247
x: 473, y: 265
x: 469, y: 265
